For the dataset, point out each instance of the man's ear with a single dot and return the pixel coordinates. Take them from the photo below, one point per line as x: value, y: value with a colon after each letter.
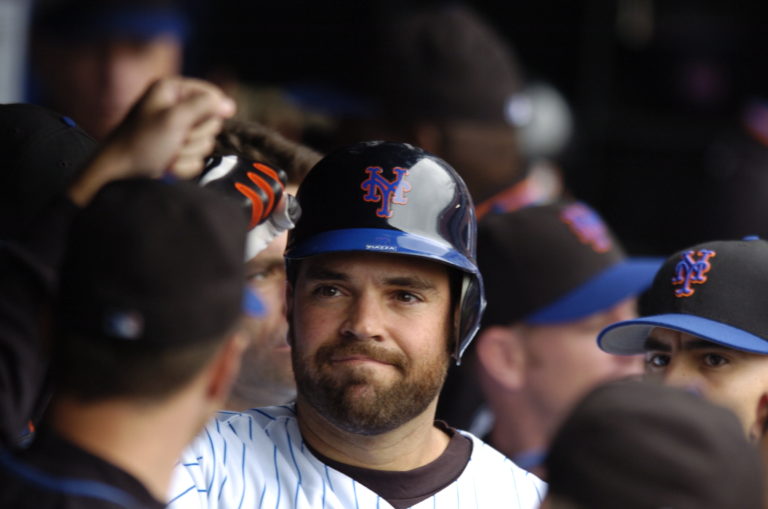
x: 501, y: 354
x: 759, y: 430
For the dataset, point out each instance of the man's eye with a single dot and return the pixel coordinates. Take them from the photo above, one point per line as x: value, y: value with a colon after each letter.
x: 714, y: 360
x: 326, y: 291
x: 656, y: 360
x: 255, y: 277
x: 261, y: 275
x: 406, y: 297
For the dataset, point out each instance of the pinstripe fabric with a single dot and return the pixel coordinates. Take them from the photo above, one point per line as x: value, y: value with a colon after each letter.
x: 276, y: 471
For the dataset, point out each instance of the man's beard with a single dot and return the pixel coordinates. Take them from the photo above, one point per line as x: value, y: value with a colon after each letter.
x: 349, y: 397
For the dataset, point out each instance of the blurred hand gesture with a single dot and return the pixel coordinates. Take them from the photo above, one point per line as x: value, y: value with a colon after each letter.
x: 170, y: 130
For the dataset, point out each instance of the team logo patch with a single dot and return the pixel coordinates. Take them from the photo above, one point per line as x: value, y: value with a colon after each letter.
x: 124, y: 324
x: 378, y: 189
x: 587, y: 226
x: 690, y: 271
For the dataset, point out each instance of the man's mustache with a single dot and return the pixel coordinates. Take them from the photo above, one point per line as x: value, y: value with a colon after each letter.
x: 328, y: 353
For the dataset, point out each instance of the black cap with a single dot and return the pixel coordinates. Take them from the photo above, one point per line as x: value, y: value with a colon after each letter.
x: 443, y: 62
x: 715, y: 290
x: 637, y: 445
x: 554, y: 263
x: 154, y: 262
x: 42, y: 152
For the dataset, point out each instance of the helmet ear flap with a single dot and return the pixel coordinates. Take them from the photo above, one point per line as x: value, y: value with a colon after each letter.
x: 471, y: 306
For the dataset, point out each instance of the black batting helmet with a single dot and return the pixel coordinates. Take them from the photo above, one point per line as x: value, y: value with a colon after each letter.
x: 392, y: 198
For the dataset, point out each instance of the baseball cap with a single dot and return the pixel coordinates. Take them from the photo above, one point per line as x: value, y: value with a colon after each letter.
x: 640, y: 445
x: 555, y: 263
x: 449, y: 63
x: 42, y: 151
x: 155, y: 262
x: 714, y: 290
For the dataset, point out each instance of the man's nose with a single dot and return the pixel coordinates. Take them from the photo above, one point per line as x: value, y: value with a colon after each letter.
x: 680, y: 374
x: 364, y: 318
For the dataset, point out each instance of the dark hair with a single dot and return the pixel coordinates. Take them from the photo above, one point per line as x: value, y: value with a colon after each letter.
x: 257, y: 142
x: 95, y: 369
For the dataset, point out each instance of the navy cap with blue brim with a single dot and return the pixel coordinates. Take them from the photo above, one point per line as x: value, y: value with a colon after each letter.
x: 80, y: 20
x: 42, y: 152
x: 155, y: 263
x: 715, y: 291
x: 611, y: 286
x: 555, y: 263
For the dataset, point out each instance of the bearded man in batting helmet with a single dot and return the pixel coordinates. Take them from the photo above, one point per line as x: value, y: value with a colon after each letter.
x: 383, y: 290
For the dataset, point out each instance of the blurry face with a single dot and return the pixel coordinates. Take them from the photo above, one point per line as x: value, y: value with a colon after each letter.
x: 96, y: 83
x: 563, y: 361
x: 266, y: 376
x: 370, y: 338
x: 732, y: 378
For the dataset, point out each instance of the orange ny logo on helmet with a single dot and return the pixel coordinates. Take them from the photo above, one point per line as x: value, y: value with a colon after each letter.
x: 377, y: 188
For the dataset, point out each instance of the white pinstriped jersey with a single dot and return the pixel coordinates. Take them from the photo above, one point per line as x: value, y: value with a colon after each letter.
x: 258, y: 459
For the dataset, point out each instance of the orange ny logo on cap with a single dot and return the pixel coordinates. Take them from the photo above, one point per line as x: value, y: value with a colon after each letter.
x: 689, y: 271
x: 587, y: 226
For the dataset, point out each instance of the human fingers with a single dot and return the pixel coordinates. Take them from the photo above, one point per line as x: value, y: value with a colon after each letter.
x: 197, y: 147
x: 190, y: 87
x: 206, y: 130
x: 164, y: 130
x: 197, y: 120
x: 186, y: 167
x: 160, y: 95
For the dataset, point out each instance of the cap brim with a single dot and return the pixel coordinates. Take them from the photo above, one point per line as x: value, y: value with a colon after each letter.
x: 611, y: 286
x: 252, y: 304
x: 375, y: 240
x: 628, y: 337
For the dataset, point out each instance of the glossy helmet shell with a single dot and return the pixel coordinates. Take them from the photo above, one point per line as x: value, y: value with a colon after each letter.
x: 392, y: 198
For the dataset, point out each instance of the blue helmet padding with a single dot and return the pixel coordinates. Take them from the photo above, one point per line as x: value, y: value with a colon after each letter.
x: 628, y: 337
x: 376, y: 240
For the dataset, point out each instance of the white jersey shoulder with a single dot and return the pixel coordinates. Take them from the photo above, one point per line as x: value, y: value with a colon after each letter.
x: 258, y: 459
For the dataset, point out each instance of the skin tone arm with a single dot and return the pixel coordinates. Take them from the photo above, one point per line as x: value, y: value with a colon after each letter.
x: 169, y: 131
